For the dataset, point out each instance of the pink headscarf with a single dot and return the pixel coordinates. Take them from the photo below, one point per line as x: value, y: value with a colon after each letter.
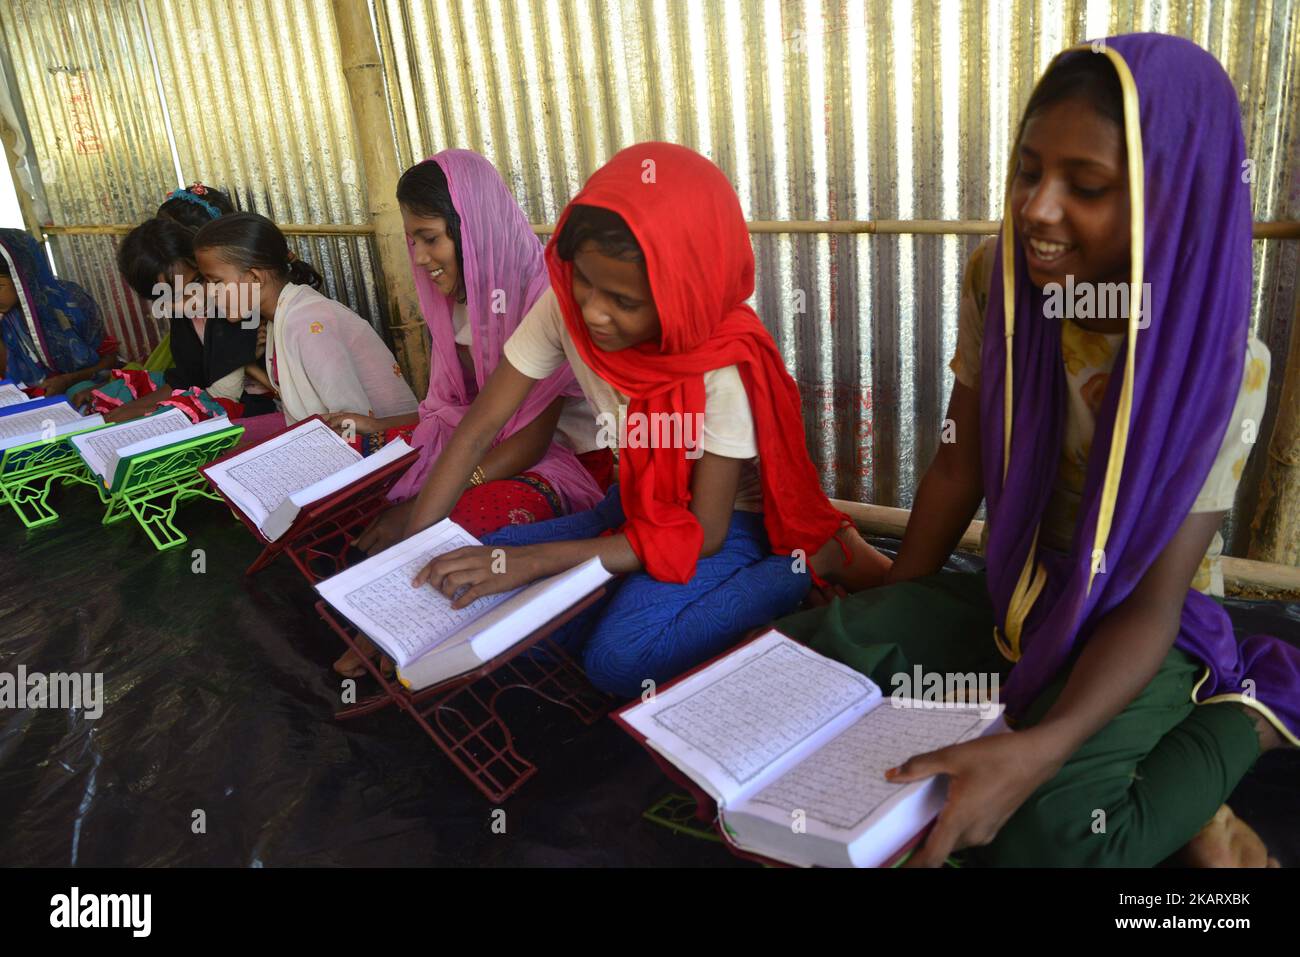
x: 503, y: 270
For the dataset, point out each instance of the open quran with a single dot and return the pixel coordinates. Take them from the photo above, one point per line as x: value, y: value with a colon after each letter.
x: 793, y: 748
x: 420, y: 630
x: 274, y: 480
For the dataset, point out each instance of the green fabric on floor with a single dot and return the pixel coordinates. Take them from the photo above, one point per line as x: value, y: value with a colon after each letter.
x: 1136, y: 791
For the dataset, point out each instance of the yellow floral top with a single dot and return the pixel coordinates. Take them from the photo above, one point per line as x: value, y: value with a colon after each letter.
x: 1089, y: 358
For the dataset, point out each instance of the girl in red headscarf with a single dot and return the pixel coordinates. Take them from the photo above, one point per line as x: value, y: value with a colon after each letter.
x: 719, y: 522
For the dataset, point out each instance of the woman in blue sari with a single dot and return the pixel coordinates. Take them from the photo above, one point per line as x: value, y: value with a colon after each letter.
x: 51, y: 332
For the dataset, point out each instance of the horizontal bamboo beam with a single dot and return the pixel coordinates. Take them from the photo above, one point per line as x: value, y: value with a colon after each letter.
x: 1241, y: 576
x: 289, y: 229
x: 1282, y: 229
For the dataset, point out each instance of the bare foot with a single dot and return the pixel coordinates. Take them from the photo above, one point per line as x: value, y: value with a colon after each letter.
x: 1268, y: 735
x: 863, y: 568
x: 350, y: 664
x: 1226, y: 841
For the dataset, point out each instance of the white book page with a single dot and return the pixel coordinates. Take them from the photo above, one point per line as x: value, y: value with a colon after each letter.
x: 341, y: 479
x: 747, y: 717
x: 79, y: 424
x: 99, y: 448
x: 840, y: 791
x: 10, y: 394
x: 30, y: 424
x: 261, y: 478
x: 282, y: 518
x: 189, y: 431
x: 511, y: 621
x: 376, y: 595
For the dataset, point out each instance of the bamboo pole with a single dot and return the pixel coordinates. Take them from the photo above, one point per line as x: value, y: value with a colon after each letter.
x: 1275, y: 532
x: 1241, y: 576
x: 364, y: 74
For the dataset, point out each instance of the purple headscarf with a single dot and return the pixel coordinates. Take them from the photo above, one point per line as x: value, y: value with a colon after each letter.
x: 1195, y: 250
x: 504, y: 274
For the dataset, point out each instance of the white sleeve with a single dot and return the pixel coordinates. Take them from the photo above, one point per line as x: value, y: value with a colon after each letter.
x: 728, y: 421
x: 330, y: 366
x: 536, y: 347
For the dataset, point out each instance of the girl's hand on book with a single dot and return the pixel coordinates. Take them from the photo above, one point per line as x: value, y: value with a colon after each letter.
x: 989, y: 778
x: 385, y: 531
x: 342, y: 422
x: 469, y: 573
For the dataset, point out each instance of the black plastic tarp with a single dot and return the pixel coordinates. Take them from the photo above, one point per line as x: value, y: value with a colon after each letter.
x: 219, y: 699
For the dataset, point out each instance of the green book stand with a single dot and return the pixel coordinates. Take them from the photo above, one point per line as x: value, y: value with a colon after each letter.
x: 152, y: 485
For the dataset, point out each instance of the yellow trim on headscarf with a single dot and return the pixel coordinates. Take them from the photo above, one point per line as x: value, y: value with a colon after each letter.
x: 1137, y: 250
x: 1033, y: 576
x: 1250, y: 702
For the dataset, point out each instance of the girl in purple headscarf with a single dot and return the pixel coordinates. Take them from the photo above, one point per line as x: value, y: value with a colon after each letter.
x: 478, y: 271
x: 1107, y: 392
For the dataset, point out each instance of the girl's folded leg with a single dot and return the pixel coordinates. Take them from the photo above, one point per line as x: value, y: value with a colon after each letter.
x: 941, y: 623
x: 1140, y: 788
x: 589, y: 524
x: 653, y: 631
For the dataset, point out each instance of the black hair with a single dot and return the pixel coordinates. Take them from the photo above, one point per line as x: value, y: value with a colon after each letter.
x: 153, y: 249
x: 192, y: 210
x: 424, y: 191
x: 1083, y: 75
x: 602, y: 227
x: 251, y: 241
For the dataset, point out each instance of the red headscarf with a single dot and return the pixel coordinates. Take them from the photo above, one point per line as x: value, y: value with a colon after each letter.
x: 687, y: 220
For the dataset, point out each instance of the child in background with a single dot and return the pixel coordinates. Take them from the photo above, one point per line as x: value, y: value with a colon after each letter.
x: 207, y: 353
x: 321, y: 357
x: 195, y: 206
x: 1108, y: 448
x: 716, y: 529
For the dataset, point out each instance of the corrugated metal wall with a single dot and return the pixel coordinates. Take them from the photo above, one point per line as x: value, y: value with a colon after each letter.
x: 252, y: 98
x: 822, y: 110
x: 85, y: 82
x: 260, y: 107
x: 817, y: 110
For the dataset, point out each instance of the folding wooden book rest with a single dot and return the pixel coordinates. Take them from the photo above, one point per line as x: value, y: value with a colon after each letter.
x: 461, y: 714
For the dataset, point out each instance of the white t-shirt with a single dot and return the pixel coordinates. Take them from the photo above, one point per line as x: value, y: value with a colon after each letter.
x: 541, y: 344
x: 460, y: 324
x: 576, y: 428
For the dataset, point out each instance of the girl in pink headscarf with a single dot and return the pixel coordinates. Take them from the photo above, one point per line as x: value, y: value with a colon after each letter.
x: 478, y: 270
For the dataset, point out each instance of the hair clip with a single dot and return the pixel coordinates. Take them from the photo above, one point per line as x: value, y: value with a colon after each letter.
x: 190, y: 195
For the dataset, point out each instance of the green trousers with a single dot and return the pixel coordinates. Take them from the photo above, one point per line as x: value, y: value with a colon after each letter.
x: 1131, y: 796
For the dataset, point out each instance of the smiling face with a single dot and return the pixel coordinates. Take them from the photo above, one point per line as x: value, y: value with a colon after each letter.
x: 1069, y: 198
x: 433, y: 251
x: 614, y: 296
